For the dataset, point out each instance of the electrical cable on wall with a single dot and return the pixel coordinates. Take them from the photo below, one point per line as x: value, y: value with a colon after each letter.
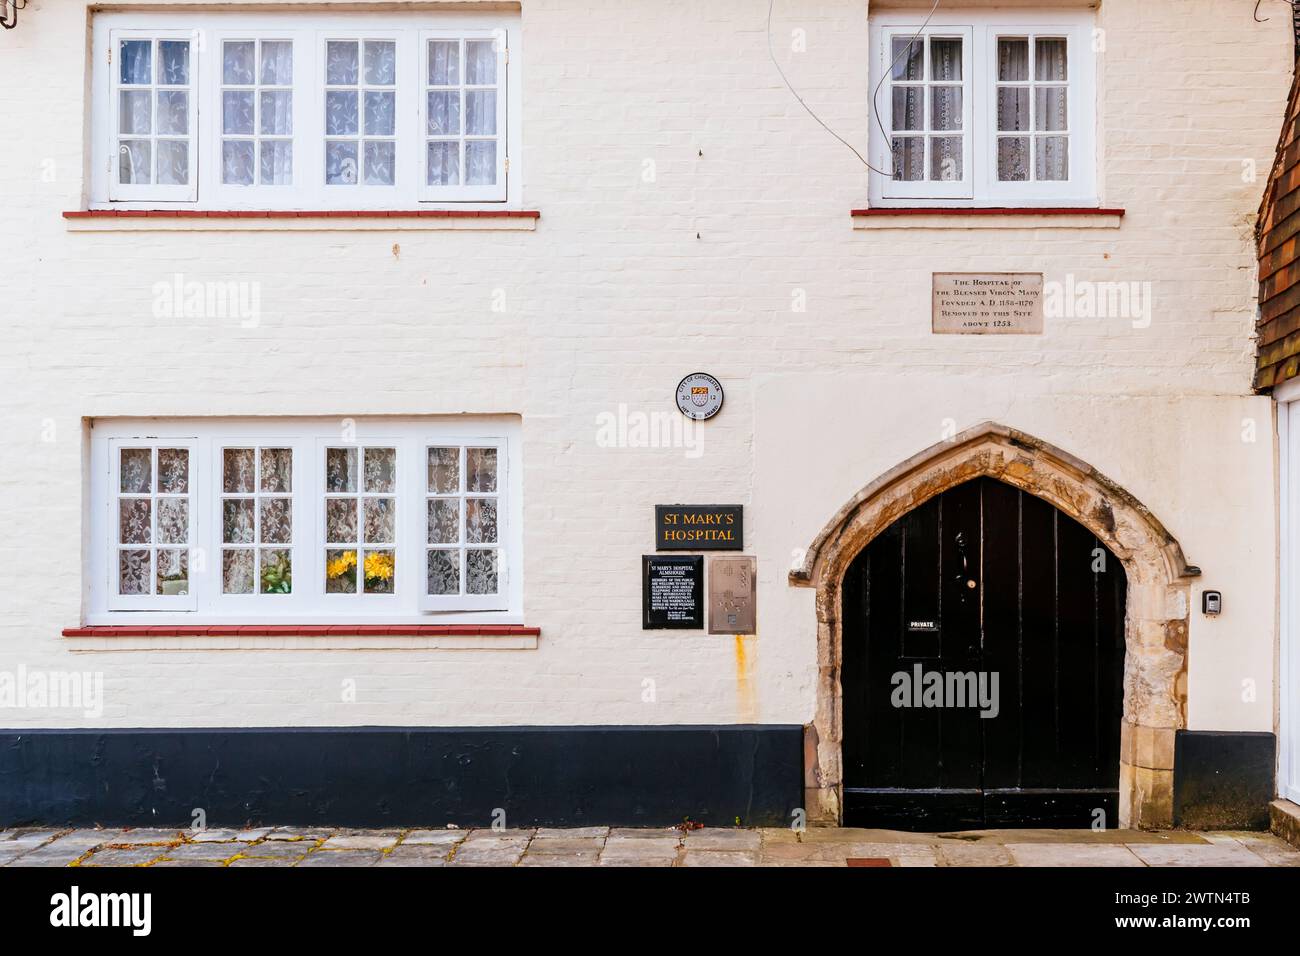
x: 875, y: 110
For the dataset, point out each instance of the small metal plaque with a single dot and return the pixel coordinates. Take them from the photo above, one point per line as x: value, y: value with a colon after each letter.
x: 672, y: 592
x: 733, y: 588
x: 699, y: 396
x: 987, y: 303
x: 699, y: 528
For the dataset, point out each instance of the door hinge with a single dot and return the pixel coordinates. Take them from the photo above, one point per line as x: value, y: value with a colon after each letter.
x: 507, y: 54
x: 507, y: 164
x: 110, y: 55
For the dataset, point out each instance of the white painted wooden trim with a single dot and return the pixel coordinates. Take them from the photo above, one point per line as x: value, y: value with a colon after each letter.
x: 1288, y: 778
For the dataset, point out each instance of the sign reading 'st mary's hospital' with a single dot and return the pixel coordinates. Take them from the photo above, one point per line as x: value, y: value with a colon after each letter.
x: 699, y: 528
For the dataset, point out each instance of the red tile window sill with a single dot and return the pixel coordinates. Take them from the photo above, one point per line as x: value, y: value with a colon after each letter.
x: 987, y: 211
x: 305, y: 630
x: 298, y: 214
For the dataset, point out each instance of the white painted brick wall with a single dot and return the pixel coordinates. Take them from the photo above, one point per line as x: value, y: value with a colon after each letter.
x: 611, y: 301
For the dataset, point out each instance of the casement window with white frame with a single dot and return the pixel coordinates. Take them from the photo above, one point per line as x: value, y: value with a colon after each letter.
x: 984, y: 109
x: 303, y: 521
x: 304, y: 111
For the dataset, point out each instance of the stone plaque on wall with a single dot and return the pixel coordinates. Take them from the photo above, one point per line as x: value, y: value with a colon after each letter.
x: 987, y: 303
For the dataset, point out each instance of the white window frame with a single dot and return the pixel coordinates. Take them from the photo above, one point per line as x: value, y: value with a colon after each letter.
x: 980, y: 186
x: 307, y: 603
x: 309, y: 32
x: 484, y: 602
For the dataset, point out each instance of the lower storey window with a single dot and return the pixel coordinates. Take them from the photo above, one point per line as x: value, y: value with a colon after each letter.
x: 305, y: 519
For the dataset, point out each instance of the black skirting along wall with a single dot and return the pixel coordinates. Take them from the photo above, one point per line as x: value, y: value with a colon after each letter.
x: 1223, y: 780
x: 403, y: 776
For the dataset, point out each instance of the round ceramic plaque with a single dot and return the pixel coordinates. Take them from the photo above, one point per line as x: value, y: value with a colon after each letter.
x: 699, y: 396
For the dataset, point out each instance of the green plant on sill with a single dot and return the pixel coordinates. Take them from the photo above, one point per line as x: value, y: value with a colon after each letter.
x: 277, y: 575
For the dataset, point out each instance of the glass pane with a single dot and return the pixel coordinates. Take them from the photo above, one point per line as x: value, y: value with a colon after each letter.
x: 444, y: 113
x: 277, y: 469
x: 237, y: 470
x: 341, y: 113
x: 237, y: 62
x: 137, y: 62
x: 174, y: 62
x: 380, y: 520
x: 277, y: 521
x: 481, y: 162
x: 133, y: 519
x: 1052, y: 158
x: 380, y: 571
x: 481, y: 520
x: 444, y: 572
x: 277, y: 113
x: 341, y: 63
x: 1013, y: 159
x: 340, y: 572
x: 909, y: 158
x: 134, y: 114
x: 277, y: 62
x: 133, y: 572
x: 1013, y: 59
x: 237, y: 521
x: 136, y: 471
x: 173, y: 162
x: 381, y: 469
x: 444, y: 471
x: 341, y: 469
x: 908, y: 58
x: 444, y: 520
x: 277, y: 571
x: 1050, y: 112
x: 909, y: 108
x: 480, y: 63
x: 444, y: 62
x: 945, y: 108
x: 946, y: 159
x: 381, y: 63
x: 341, y: 520
x: 481, y: 572
x: 1013, y: 108
x: 237, y: 572
x: 381, y: 162
x: 443, y: 164
x: 237, y: 162
x: 277, y: 162
x: 480, y: 469
x: 1049, y: 59
x: 133, y: 165
x: 945, y: 58
x: 173, y: 572
x: 173, y: 470
x: 381, y: 108
x: 481, y: 112
x: 340, y: 164
x: 237, y: 111
x: 173, y: 112
x: 173, y: 520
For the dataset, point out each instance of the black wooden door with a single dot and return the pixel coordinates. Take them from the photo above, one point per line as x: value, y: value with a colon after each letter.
x: 1019, y: 611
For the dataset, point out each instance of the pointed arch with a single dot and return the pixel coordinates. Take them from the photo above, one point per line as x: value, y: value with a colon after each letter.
x: 1156, y: 617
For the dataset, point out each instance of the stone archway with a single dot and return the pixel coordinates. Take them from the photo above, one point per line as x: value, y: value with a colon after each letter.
x: 1155, y: 627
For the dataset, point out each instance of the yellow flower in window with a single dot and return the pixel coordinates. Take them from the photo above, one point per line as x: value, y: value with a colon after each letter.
x: 379, y: 564
x: 342, y: 564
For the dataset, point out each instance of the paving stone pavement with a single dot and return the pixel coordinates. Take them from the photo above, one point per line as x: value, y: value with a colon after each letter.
x: 623, y: 846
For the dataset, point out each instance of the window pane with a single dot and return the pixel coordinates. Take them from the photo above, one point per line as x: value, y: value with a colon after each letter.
x: 237, y: 521
x: 946, y: 159
x: 481, y: 112
x: 481, y: 520
x: 237, y: 470
x: 277, y: 521
x: 380, y: 571
x: 340, y: 164
x: 134, y: 112
x: 444, y: 62
x: 444, y: 164
x: 173, y: 162
x: 480, y: 162
x: 277, y: 162
x: 1052, y: 158
x: 237, y: 62
x: 341, y: 520
x: 174, y: 62
x: 137, y: 62
x: 173, y: 470
x: 133, y: 572
x: 1013, y: 59
x: 381, y: 469
x: 909, y: 158
x: 173, y: 520
x: 381, y: 108
x: 444, y: 520
x: 480, y: 63
x: 908, y: 59
x: 444, y: 572
x: 237, y: 571
x: 444, y: 113
x: 136, y: 471
x: 1013, y: 159
x: 444, y: 470
x: 480, y: 572
x: 381, y: 162
x: 1013, y: 108
x: 381, y: 63
x: 277, y: 113
x: 173, y: 572
x: 173, y: 112
x: 341, y: 118
x: 237, y: 111
x: 1050, y: 108
x: 277, y: 469
x: 277, y: 62
x: 341, y: 470
x: 1049, y: 59
x: 341, y: 64
x: 480, y: 469
x: 909, y: 108
x: 277, y: 571
x: 380, y: 521
x: 945, y: 58
x: 135, y: 520
x: 340, y: 572
x: 134, y: 156
x: 945, y: 108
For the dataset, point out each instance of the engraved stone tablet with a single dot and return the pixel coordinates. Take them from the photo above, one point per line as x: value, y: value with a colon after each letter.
x: 732, y: 591
x: 987, y: 303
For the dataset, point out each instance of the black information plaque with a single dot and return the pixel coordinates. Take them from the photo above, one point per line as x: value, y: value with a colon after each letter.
x: 672, y: 592
x: 699, y: 528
